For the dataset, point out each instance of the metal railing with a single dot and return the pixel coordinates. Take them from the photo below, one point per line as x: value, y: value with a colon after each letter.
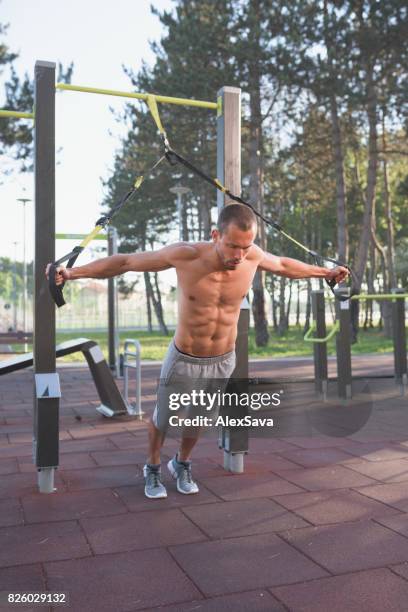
x: 308, y: 336
x: 131, y: 360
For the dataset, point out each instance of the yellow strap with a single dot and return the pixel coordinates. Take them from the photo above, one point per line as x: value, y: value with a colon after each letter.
x: 98, y: 228
x: 138, y: 182
x: 299, y: 244
x: 91, y: 236
x: 152, y: 104
x: 220, y: 185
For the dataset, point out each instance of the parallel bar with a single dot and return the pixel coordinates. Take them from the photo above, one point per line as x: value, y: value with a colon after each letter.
x: 380, y: 296
x: 16, y: 114
x: 138, y: 96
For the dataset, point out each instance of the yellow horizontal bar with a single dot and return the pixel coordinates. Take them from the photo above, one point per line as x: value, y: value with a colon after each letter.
x: 138, y: 96
x: 380, y: 296
x: 308, y: 336
x: 16, y: 114
x: 79, y: 236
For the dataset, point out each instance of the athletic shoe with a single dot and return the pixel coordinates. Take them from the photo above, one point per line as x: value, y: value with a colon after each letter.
x: 181, y: 471
x: 154, y: 488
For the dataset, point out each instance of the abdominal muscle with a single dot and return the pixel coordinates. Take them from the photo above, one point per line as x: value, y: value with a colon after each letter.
x: 206, y: 330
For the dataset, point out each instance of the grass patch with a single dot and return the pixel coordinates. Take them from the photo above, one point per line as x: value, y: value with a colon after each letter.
x: 291, y: 344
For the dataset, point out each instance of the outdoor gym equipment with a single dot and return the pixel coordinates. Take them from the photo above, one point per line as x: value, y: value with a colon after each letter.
x: 342, y: 329
x: 228, y: 107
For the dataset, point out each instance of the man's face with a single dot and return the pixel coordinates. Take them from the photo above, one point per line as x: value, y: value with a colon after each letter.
x: 233, y: 245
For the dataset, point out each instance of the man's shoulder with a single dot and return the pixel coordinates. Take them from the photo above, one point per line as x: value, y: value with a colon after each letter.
x: 256, y: 253
x: 186, y: 251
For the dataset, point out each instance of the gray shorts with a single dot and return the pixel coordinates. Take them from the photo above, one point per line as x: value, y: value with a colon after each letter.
x: 182, y: 373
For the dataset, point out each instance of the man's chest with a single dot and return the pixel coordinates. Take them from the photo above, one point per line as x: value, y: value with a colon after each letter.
x: 219, y: 288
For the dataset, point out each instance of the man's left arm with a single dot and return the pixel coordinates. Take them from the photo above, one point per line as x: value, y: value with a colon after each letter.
x: 293, y: 268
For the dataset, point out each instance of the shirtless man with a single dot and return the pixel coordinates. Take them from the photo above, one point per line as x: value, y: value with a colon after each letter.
x: 213, y: 278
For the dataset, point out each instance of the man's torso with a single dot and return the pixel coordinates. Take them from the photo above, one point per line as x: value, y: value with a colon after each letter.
x: 209, y: 302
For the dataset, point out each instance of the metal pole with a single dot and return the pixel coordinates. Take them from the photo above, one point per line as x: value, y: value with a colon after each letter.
x: 24, y: 202
x: 15, y: 288
x: 47, y: 388
x: 400, y: 339
x: 234, y: 441
x: 113, y: 330
x: 320, y: 348
x: 180, y: 216
x: 343, y: 350
x: 24, y: 275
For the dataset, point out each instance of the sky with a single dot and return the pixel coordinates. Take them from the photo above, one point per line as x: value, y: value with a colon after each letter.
x: 99, y: 36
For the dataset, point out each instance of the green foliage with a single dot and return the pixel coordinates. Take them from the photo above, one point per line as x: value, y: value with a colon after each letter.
x: 304, y: 53
x: 12, y: 278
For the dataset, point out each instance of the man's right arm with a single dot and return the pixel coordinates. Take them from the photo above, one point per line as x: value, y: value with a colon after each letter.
x: 148, y: 261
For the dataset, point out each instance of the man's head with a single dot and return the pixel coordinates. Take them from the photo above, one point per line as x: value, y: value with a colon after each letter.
x: 235, y: 234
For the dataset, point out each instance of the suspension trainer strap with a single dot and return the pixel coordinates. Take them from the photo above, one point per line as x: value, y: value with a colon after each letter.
x: 174, y: 158
x: 57, y: 290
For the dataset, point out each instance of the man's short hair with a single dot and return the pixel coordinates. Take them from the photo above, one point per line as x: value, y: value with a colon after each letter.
x: 238, y: 214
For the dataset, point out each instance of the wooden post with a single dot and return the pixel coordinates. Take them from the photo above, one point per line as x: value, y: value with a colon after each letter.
x: 47, y: 388
x: 113, y: 315
x: 234, y: 441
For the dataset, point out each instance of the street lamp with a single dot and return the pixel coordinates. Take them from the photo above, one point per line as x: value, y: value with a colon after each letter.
x: 24, y: 202
x: 15, y: 287
x: 179, y: 190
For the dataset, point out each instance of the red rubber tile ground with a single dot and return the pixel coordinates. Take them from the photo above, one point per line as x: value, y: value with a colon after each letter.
x: 315, y: 523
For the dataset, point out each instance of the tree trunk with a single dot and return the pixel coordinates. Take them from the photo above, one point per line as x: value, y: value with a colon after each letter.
x: 362, y: 252
x: 274, y: 304
x: 204, y: 212
x: 256, y: 170
x: 156, y: 301
x: 308, y: 307
x: 184, y: 220
x: 289, y: 303
x: 341, y: 209
x: 148, y: 301
x: 298, y: 304
x: 158, y: 307
x: 367, y: 304
x: 385, y: 306
x: 283, y: 324
x: 392, y: 281
x: 370, y: 285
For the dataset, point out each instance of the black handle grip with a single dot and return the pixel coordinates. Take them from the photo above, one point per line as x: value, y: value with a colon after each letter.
x: 55, y: 290
x: 342, y: 297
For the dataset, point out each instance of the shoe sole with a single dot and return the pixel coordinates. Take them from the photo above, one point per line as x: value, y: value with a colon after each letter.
x: 161, y: 496
x: 174, y: 475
